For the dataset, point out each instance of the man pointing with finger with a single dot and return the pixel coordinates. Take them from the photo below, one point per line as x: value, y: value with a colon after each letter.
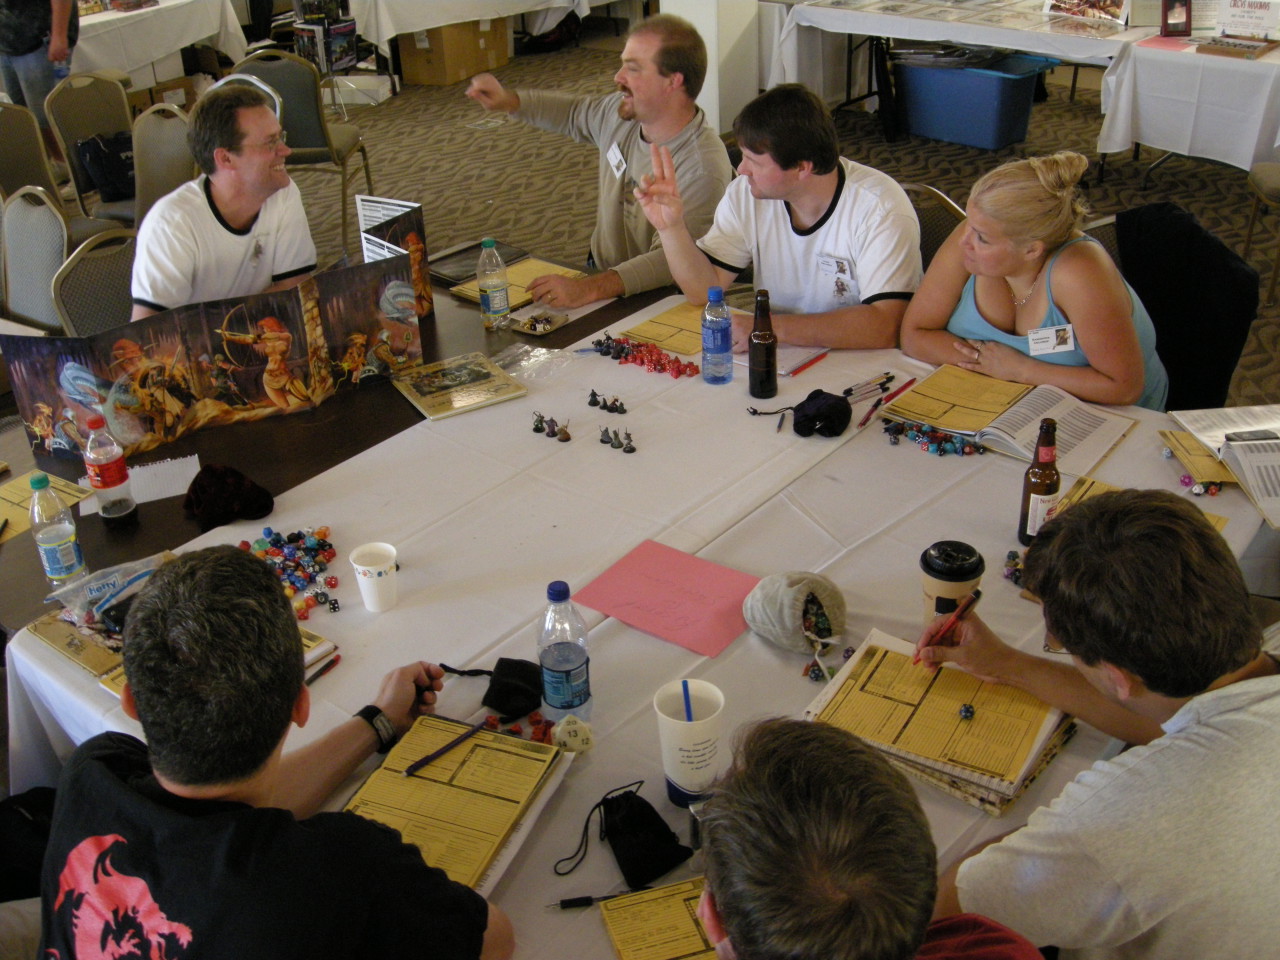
x: 663, y: 66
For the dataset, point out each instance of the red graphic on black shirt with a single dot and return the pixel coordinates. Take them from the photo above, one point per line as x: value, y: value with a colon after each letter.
x: 113, y: 915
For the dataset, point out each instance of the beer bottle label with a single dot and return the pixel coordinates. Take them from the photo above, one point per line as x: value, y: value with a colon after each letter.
x: 1040, y: 509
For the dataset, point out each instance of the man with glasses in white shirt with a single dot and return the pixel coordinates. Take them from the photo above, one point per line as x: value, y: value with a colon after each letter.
x: 238, y: 229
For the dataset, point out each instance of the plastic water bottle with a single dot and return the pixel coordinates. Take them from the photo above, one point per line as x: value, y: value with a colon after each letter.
x: 108, y: 475
x: 61, y: 69
x: 717, y: 338
x: 562, y: 653
x: 491, y: 277
x: 55, y: 532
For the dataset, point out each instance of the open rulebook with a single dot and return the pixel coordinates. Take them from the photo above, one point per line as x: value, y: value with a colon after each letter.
x: 985, y: 756
x: 1247, y: 441
x: 461, y: 808
x: 99, y: 653
x: 1005, y: 416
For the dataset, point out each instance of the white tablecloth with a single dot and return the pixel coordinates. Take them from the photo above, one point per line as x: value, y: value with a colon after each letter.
x: 378, y: 21
x: 130, y: 40
x: 1219, y: 108
x: 799, y: 56
x: 484, y: 512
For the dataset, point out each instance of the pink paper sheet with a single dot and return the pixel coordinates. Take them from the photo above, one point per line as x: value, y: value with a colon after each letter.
x: 673, y: 595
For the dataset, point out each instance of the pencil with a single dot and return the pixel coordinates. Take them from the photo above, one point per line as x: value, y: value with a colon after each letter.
x: 417, y: 765
x: 807, y: 364
x: 967, y: 604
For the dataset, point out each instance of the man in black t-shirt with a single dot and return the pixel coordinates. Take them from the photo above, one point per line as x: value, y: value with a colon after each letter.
x: 205, y: 841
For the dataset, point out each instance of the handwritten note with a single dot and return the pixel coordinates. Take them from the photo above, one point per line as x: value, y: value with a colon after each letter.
x: 673, y: 595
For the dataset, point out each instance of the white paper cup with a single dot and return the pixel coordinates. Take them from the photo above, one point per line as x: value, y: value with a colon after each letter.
x: 690, y: 749
x: 375, y: 566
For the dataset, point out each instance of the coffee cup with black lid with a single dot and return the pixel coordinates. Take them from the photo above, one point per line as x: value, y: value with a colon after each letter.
x: 950, y: 570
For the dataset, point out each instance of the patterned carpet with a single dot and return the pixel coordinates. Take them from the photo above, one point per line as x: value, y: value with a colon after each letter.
x: 537, y: 190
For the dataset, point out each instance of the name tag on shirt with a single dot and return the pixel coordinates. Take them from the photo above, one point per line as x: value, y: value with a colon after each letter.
x: 1051, y: 340
x: 832, y: 266
x: 616, y: 161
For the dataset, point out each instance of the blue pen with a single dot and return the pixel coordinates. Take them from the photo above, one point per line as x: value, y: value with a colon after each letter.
x: 688, y: 705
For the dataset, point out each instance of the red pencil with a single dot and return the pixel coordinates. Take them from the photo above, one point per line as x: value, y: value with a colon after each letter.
x: 807, y: 364
x: 957, y: 615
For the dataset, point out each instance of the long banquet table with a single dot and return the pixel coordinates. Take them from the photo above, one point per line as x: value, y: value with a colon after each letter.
x: 484, y: 512
x: 798, y: 56
x: 380, y: 21
x: 128, y: 40
x: 1217, y: 108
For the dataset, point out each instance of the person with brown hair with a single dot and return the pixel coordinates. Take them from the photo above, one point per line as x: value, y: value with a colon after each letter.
x: 817, y: 849
x: 664, y: 64
x: 1018, y: 292
x: 836, y: 243
x: 1164, y: 851
x: 238, y: 229
x: 208, y: 839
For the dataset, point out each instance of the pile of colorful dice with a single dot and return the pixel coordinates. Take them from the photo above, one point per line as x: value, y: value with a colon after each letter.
x: 300, y: 560
x: 646, y: 355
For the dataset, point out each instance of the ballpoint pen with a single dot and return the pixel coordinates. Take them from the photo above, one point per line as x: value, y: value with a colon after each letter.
x: 417, y: 765
x: 866, y: 417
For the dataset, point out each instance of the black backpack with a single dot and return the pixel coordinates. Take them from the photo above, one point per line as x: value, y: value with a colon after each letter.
x: 108, y: 160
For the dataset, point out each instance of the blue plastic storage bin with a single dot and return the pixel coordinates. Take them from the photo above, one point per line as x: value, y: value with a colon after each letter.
x: 986, y: 107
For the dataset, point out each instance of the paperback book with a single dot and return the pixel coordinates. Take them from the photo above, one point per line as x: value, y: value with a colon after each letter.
x: 456, y: 385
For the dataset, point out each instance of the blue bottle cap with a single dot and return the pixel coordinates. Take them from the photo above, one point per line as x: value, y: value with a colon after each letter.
x: 715, y: 294
x: 557, y: 591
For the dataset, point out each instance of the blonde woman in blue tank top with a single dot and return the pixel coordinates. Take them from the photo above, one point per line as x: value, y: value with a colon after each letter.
x: 1019, y: 292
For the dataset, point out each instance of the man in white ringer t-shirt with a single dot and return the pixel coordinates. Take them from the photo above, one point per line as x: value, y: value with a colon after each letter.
x: 836, y: 243
x: 236, y: 230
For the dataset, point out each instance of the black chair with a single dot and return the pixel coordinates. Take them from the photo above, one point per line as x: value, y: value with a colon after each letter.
x: 1201, y: 295
x: 938, y: 215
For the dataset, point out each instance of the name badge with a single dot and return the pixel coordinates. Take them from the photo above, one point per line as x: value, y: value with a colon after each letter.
x: 832, y: 266
x: 616, y: 161
x: 1051, y: 340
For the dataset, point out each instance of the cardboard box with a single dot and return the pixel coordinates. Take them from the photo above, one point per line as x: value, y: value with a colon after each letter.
x: 200, y: 58
x: 139, y: 100
x: 168, y: 67
x: 453, y: 52
x: 180, y: 92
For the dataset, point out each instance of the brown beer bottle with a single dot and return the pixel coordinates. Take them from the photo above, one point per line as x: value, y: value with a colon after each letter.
x: 1041, y: 484
x: 762, y: 352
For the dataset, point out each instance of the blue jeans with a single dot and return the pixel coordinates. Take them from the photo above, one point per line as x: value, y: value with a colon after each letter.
x: 28, y: 80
